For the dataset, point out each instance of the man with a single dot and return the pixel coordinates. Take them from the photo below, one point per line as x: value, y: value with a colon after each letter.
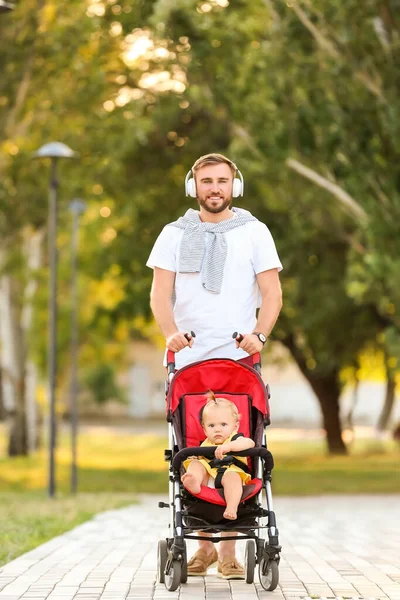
x: 218, y: 264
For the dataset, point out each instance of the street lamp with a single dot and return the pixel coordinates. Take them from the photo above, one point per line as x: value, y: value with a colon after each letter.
x: 6, y: 6
x: 76, y: 207
x: 54, y: 151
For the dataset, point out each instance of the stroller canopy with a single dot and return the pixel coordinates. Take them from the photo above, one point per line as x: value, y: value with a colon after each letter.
x: 218, y: 375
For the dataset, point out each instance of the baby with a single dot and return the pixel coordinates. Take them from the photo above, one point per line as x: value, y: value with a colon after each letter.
x: 220, y: 421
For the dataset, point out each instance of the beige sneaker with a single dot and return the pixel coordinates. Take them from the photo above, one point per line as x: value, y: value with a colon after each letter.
x: 200, y: 562
x: 230, y: 568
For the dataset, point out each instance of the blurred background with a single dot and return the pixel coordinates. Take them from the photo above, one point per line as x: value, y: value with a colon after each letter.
x: 304, y: 97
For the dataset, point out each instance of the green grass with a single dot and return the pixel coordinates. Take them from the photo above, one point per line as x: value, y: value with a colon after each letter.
x: 304, y: 468
x: 120, y: 462
x: 30, y: 519
x: 108, y: 462
x: 114, y: 466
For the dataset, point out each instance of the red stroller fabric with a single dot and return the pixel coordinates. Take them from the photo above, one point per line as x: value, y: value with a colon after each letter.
x: 193, y: 433
x: 218, y: 375
x: 226, y: 378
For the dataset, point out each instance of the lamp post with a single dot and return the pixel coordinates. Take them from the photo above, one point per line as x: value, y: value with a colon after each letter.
x: 6, y: 6
x: 54, y: 151
x: 76, y: 207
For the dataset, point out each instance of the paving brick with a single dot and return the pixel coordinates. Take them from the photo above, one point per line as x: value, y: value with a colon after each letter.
x: 329, y: 551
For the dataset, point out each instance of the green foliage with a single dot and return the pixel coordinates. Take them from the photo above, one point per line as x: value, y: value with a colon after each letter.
x: 141, y: 91
x: 100, y: 382
x: 273, y: 86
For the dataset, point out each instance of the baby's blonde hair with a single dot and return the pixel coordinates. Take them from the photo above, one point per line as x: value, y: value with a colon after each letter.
x: 213, y: 401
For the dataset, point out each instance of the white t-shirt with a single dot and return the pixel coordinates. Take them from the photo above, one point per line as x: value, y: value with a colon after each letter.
x: 214, y: 317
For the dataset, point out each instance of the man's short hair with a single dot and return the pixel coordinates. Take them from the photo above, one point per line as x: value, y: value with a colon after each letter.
x: 213, y: 159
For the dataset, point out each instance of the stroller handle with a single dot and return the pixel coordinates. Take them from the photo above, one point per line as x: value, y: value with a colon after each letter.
x: 208, y: 452
x: 238, y: 336
x: 171, y: 354
x: 256, y: 357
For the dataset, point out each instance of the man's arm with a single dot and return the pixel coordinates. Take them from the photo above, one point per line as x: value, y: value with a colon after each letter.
x: 271, y: 304
x: 161, y: 305
x: 271, y: 300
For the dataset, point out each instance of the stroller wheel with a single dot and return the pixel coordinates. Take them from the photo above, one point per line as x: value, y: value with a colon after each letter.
x: 250, y: 561
x: 173, y: 576
x: 269, y: 574
x: 162, y: 555
x: 184, y: 573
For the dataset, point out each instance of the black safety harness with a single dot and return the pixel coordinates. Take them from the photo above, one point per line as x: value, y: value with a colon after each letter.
x: 222, y: 464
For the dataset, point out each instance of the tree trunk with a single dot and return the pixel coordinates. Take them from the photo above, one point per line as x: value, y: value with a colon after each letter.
x: 348, y: 418
x: 388, y: 404
x: 33, y: 255
x: 17, y: 440
x: 19, y: 375
x: 12, y: 364
x: 327, y: 389
x: 2, y: 411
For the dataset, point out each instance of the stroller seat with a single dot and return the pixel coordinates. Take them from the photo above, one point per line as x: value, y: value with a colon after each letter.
x: 190, y: 408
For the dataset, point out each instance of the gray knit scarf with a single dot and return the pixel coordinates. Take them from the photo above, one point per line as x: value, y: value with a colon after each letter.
x: 193, y: 245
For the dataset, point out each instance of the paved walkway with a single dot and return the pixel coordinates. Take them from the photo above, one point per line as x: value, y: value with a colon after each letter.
x: 333, y: 547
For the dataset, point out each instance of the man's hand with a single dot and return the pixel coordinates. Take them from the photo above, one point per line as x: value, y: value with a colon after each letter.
x: 177, y: 341
x: 250, y: 344
x: 222, y: 449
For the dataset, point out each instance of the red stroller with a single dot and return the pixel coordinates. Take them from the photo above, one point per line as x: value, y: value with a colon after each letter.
x: 203, y: 512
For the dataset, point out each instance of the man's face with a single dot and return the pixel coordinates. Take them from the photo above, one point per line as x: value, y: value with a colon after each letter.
x: 214, y: 187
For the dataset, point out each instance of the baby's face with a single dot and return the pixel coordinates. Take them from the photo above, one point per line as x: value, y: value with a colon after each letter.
x: 218, y: 424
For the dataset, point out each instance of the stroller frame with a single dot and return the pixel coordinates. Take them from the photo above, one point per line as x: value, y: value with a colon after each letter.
x: 259, y: 518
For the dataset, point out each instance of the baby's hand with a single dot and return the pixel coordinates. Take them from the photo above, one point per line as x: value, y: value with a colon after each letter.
x: 221, y: 450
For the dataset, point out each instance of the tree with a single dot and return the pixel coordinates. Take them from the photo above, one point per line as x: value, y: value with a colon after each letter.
x: 302, y: 96
x: 297, y: 85
x: 44, y: 92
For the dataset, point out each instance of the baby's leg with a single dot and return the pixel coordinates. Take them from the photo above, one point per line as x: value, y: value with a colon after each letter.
x: 233, y: 489
x: 195, y: 476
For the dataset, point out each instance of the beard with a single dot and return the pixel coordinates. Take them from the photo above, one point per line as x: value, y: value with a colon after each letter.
x: 214, y: 209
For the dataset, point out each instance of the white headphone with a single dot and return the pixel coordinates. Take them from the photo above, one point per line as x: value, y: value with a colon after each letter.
x: 237, y: 188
